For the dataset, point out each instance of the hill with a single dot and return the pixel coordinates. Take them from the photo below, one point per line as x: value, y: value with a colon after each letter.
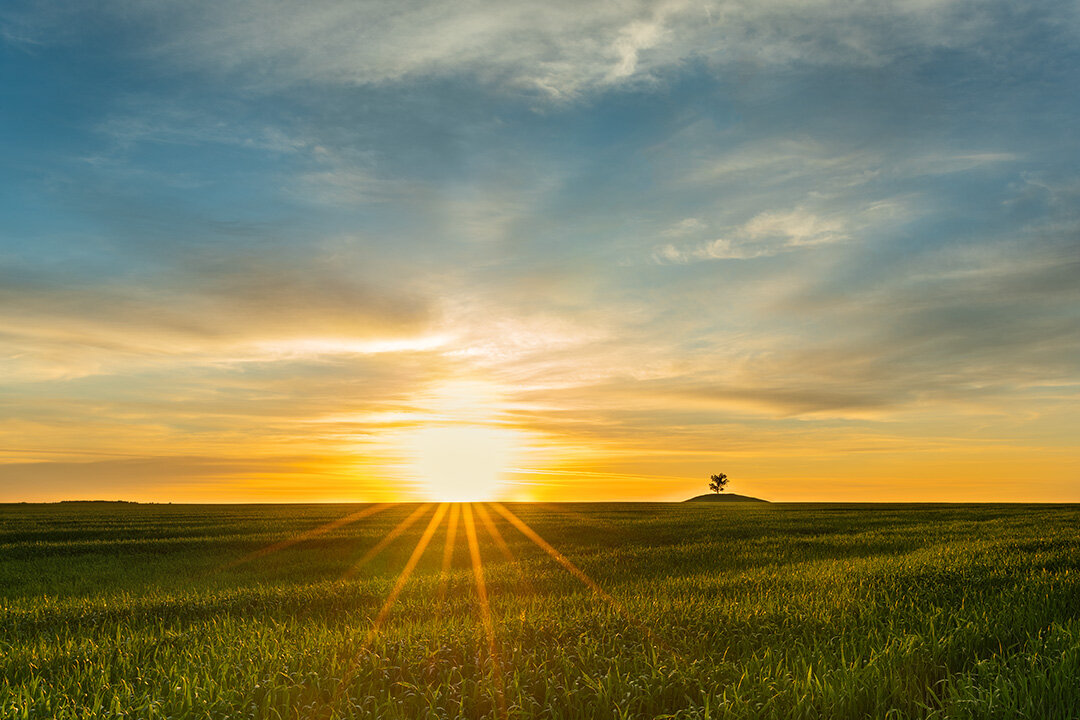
x: 726, y: 497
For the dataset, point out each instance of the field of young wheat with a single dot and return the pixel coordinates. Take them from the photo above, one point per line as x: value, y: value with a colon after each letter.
x: 554, y: 611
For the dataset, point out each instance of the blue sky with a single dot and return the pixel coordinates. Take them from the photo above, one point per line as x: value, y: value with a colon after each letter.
x: 249, y: 247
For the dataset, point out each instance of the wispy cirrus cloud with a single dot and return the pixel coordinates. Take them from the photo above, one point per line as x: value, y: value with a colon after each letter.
x: 560, y: 49
x: 772, y: 232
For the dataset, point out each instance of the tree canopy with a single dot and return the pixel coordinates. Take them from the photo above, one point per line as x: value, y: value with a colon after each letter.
x: 718, y: 482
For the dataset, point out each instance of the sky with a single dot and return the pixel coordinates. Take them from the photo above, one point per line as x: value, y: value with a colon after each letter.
x: 367, y: 251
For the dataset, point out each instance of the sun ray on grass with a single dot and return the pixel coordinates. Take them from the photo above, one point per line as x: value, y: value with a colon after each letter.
x: 307, y: 535
x: 578, y: 573
x: 448, y: 550
x: 399, y: 584
x: 485, y: 608
x: 387, y: 539
x: 500, y: 542
x: 550, y: 550
x: 406, y: 572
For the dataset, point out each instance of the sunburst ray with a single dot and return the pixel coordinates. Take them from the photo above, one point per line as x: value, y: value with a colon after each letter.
x: 550, y: 550
x: 485, y: 608
x: 406, y: 572
x: 307, y: 535
x: 448, y: 551
x: 500, y: 542
x: 418, y: 552
x: 387, y: 539
x: 578, y: 573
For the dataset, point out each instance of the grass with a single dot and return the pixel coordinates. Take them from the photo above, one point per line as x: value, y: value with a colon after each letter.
x: 698, y: 611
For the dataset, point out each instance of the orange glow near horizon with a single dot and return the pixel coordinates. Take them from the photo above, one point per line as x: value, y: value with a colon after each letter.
x: 467, y: 440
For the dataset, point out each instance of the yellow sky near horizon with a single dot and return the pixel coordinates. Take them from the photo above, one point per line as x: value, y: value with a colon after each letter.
x: 463, y: 440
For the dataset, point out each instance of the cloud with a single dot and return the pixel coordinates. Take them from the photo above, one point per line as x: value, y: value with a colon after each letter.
x: 560, y: 48
x: 778, y: 160
x: 344, y: 186
x: 833, y: 165
x: 214, y: 304
x: 773, y: 232
x: 947, y: 329
x: 148, y: 119
x: 686, y: 226
x: 919, y: 336
x: 632, y: 39
x: 796, y: 227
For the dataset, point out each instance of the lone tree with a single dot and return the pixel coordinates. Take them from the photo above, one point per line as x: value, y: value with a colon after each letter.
x: 717, y: 482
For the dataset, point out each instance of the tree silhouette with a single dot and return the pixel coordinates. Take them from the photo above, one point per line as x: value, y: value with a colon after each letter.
x: 717, y: 482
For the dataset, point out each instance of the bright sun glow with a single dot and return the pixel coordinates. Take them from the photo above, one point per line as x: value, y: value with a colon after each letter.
x: 461, y: 453
x: 461, y: 464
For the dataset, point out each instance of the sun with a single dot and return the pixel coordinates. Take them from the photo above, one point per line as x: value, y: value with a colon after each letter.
x: 461, y: 463
x: 461, y: 449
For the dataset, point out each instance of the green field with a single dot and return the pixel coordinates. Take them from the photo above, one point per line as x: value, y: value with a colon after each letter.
x: 698, y: 611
